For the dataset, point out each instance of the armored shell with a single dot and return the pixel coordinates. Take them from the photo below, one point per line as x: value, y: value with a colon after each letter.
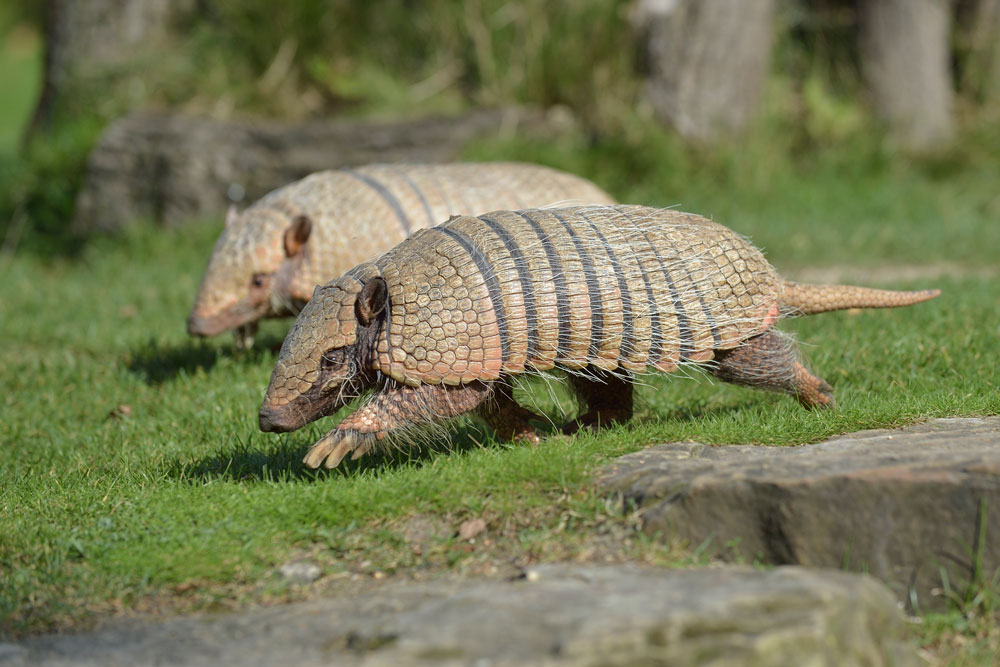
x: 610, y: 287
x: 438, y: 325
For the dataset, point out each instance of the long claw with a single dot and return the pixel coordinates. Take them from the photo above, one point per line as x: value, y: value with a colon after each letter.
x: 314, y: 457
x: 340, y: 451
x: 324, y: 446
x: 333, y: 447
x: 361, y: 450
x: 243, y: 336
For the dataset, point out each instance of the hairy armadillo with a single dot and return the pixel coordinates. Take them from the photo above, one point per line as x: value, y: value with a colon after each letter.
x: 269, y: 258
x: 438, y: 325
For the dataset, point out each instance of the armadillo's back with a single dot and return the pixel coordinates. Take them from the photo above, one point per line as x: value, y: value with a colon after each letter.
x: 614, y: 287
x: 426, y: 195
x: 362, y: 212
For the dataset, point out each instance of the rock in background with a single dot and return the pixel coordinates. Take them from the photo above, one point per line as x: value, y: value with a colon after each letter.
x: 173, y: 168
x: 706, y: 61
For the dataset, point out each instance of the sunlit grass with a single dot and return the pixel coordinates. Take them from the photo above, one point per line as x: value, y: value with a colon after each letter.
x: 132, y: 471
x: 131, y: 462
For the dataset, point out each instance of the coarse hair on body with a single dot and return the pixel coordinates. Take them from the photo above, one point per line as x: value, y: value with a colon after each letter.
x: 446, y: 320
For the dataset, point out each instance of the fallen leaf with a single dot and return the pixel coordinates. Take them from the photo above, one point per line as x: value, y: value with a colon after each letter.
x: 123, y: 411
x: 470, y: 528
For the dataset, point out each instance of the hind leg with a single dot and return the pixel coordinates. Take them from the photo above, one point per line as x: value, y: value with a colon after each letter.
x: 607, y: 399
x: 770, y: 361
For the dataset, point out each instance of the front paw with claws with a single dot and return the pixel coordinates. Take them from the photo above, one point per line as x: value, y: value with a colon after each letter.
x: 333, y: 447
x: 243, y: 336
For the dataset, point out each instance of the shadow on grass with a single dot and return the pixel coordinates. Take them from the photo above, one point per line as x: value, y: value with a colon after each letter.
x: 156, y: 363
x: 281, y: 460
x: 262, y: 458
x: 701, y: 410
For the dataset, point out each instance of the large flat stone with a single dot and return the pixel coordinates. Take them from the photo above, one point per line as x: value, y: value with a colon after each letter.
x: 909, y: 506
x: 557, y: 615
x: 172, y: 168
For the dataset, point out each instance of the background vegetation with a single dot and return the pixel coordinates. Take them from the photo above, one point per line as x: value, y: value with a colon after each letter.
x: 132, y: 476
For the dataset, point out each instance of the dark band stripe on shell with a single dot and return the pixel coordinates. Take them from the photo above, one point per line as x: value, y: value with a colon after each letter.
x: 558, y: 279
x: 656, y: 351
x: 386, y: 194
x: 524, y: 278
x: 628, y: 340
x: 419, y: 192
x: 593, y: 289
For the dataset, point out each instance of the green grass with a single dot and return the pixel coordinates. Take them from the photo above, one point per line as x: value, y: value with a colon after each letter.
x: 105, y: 511
x: 133, y: 476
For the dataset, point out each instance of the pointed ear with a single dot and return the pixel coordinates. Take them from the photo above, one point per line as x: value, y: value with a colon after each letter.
x: 371, y: 302
x: 232, y: 215
x: 297, y: 234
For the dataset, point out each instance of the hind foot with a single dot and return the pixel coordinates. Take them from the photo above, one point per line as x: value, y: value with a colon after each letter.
x: 812, y: 391
x: 770, y: 361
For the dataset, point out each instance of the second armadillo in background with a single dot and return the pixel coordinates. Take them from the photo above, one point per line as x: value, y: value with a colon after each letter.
x: 269, y: 258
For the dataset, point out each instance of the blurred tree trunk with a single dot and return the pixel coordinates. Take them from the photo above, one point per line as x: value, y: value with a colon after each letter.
x: 705, y: 61
x: 905, y: 59
x: 90, y: 41
x: 979, y: 47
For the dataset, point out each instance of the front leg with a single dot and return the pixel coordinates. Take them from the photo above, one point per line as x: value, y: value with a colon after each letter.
x: 507, y: 417
x: 243, y: 336
x: 395, y: 407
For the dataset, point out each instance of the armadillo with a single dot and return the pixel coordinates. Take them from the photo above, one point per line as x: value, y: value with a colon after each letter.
x: 269, y: 258
x: 440, y: 325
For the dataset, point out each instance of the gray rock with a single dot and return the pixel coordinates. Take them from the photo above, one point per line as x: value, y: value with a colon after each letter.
x: 103, y: 45
x: 703, y: 91
x: 300, y: 572
x: 559, y: 615
x: 174, y: 168
x: 902, y: 505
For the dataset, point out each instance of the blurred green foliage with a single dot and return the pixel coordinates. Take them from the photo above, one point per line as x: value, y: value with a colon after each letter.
x: 16, y: 12
x: 319, y: 58
x: 384, y: 56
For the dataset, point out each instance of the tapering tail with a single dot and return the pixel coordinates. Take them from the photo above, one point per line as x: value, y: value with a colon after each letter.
x: 799, y: 299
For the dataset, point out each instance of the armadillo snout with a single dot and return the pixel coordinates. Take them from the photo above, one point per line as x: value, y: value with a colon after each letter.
x: 199, y: 326
x: 276, y: 420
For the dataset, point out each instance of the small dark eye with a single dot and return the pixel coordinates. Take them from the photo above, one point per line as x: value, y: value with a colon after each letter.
x: 257, y: 280
x: 334, y: 358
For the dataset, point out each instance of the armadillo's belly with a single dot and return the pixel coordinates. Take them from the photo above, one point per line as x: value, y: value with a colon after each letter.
x: 612, y: 287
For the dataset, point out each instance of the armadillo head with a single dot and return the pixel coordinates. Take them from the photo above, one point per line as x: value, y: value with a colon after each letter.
x: 239, y: 286
x: 327, y: 357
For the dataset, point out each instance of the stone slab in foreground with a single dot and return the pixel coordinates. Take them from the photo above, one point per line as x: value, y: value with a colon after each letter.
x: 556, y: 615
x: 903, y: 505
